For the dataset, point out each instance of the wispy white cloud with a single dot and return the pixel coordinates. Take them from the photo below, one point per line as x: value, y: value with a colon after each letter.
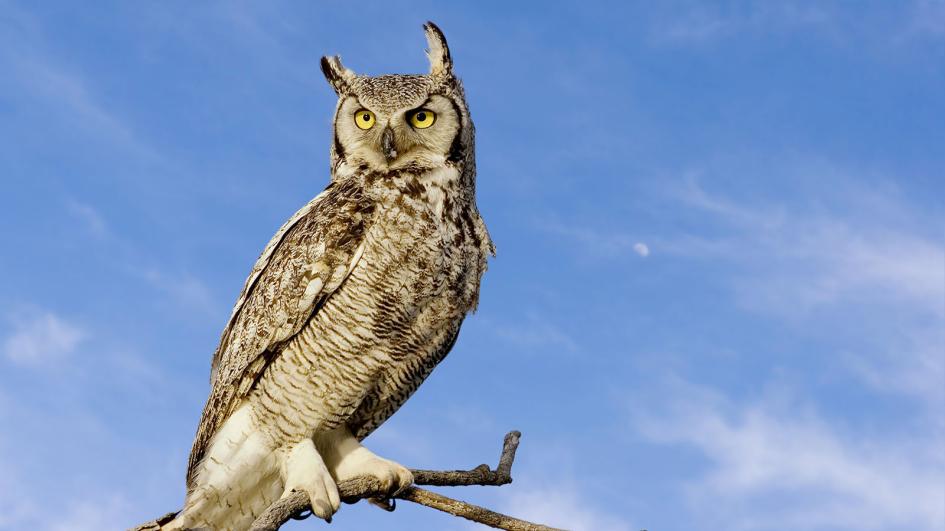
x: 776, y: 464
x: 562, y: 506
x: 14, y: 512
x: 866, y: 265
x: 89, y: 217
x: 180, y: 288
x: 30, y: 65
x: 701, y: 22
x: 928, y: 19
x: 41, y: 339
x: 877, y: 28
x: 809, y: 258
x: 86, y: 513
x: 537, y: 332
x: 592, y: 242
x: 912, y: 365
x: 15, y: 509
x: 185, y: 290
x: 815, y: 258
x: 62, y: 449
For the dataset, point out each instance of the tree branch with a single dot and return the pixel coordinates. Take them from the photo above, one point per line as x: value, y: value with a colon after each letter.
x: 296, y: 505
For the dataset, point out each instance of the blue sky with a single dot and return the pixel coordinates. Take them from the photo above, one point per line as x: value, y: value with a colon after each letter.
x: 719, y: 296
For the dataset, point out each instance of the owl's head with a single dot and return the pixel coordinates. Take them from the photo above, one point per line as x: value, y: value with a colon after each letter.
x: 401, y: 121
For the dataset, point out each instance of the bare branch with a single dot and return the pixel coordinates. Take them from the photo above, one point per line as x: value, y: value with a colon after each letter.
x: 481, y: 475
x: 469, y: 511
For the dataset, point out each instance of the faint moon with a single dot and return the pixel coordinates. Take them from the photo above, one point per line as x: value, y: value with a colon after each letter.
x: 641, y: 249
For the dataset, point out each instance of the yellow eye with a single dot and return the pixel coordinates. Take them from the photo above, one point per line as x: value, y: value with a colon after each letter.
x: 422, y: 119
x: 364, y: 119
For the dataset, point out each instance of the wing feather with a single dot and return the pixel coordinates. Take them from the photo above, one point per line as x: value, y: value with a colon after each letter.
x: 304, y: 263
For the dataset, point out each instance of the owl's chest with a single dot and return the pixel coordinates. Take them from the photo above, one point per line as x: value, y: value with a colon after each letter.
x: 422, y: 246
x: 412, y: 257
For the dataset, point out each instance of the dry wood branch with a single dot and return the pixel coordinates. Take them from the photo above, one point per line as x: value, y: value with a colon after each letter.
x: 481, y: 475
x: 469, y: 511
x: 297, y: 504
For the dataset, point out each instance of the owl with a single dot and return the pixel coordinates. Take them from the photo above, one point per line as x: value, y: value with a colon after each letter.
x: 351, y: 305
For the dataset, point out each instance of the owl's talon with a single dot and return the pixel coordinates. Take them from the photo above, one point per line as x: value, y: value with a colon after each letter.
x: 348, y: 460
x: 304, y: 471
x: 387, y: 504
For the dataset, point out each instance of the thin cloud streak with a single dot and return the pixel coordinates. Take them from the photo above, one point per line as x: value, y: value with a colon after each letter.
x: 41, y: 339
x: 777, y: 463
x: 89, y: 217
x: 561, y: 506
x: 537, y: 333
x: 699, y: 23
x: 64, y: 91
x: 806, y: 259
x: 592, y: 242
x: 867, y: 258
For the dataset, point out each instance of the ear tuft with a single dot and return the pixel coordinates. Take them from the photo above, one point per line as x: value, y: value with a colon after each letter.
x: 337, y: 75
x: 441, y: 64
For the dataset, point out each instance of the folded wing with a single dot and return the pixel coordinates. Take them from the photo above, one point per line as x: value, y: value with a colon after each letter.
x: 305, y: 262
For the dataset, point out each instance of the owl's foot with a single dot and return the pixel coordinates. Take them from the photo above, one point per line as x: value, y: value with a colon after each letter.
x: 347, y: 459
x: 304, y: 470
x: 392, y: 476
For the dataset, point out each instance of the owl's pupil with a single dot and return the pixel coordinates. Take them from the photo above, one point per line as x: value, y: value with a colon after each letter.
x: 365, y: 117
x: 421, y: 116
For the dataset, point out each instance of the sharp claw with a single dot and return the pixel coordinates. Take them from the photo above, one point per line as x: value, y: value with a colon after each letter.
x: 322, y: 510
x: 402, y: 483
x: 388, y: 504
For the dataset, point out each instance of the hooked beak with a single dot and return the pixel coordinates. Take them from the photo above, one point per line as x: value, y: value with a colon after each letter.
x: 387, y: 144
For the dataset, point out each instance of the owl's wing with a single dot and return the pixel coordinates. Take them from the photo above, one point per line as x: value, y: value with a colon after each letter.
x: 304, y: 263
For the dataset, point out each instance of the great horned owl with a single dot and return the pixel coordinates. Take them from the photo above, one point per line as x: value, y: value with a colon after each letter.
x: 350, y: 306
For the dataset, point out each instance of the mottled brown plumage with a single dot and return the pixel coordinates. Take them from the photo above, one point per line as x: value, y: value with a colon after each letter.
x: 318, y: 243
x: 351, y: 305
